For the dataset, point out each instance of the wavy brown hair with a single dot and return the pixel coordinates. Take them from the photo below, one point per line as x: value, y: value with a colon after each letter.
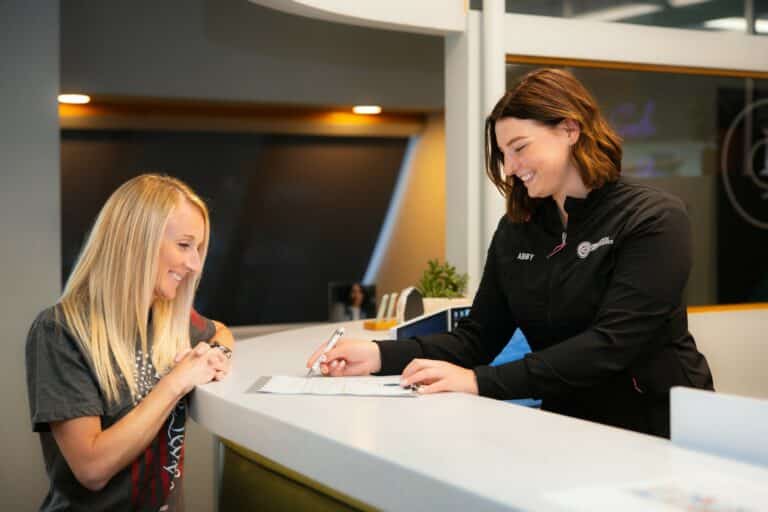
x: 549, y: 96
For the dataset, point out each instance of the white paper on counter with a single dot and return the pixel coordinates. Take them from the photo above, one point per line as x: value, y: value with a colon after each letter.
x: 354, y: 386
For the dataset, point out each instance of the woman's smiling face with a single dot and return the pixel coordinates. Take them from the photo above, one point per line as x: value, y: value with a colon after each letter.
x: 180, y: 257
x: 538, y: 155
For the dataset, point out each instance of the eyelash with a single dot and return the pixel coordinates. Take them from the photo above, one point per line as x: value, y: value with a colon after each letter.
x: 184, y: 245
x: 517, y: 150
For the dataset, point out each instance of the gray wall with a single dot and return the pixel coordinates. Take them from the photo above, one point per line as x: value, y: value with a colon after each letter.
x: 29, y: 225
x: 237, y: 51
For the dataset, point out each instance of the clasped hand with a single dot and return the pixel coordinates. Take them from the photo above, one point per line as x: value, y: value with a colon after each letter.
x: 200, y: 365
x: 357, y: 357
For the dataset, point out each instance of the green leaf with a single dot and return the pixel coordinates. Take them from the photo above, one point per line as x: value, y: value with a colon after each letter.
x: 442, y: 280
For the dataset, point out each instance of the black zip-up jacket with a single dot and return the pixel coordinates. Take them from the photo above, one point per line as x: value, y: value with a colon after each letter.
x: 601, y: 304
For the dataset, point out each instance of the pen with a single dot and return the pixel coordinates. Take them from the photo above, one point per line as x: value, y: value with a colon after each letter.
x: 338, y: 333
x: 411, y: 387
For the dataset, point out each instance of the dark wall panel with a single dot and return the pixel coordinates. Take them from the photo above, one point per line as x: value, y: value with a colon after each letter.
x: 289, y: 214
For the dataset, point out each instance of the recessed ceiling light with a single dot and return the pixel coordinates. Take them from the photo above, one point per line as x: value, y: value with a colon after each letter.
x: 366, y: 109
x: 75, y: 99
x: 686, y: 3
x: 620, y: 12
x: 737, y: 24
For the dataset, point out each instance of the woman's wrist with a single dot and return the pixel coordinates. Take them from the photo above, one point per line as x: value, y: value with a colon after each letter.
x: 224, y: 349
x: 173, y: 384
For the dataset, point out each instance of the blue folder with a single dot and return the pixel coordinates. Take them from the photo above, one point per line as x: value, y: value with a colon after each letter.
x: 516, y: 349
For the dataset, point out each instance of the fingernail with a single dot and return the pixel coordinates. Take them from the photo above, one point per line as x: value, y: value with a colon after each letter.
x: 323, y: 358
x: 333, y: 364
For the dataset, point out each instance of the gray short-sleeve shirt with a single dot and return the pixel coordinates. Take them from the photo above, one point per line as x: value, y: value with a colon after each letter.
x: 62, y: 385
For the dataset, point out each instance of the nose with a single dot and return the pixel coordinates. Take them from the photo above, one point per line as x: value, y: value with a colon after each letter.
x: 510, y: 165
x: 194, y: 262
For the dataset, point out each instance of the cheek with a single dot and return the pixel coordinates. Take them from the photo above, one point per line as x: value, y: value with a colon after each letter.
x: 167, y: 260
x: 163, y: 260
x: 555, y: 161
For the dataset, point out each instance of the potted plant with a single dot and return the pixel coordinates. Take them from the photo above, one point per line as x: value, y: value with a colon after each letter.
x: 442, y: 286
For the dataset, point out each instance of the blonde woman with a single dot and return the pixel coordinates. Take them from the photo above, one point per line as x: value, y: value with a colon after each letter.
x: 109, y: 366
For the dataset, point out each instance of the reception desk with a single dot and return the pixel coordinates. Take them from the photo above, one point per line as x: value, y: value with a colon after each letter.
x: 448, y: 451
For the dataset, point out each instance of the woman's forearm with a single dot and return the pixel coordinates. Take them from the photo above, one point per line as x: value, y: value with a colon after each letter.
x: 96, y: 455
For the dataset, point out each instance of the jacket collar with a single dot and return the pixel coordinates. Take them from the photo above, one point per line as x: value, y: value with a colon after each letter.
x: 578, y: 209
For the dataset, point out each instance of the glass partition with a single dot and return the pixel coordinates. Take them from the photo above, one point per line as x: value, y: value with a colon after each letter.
x: 704, y: 139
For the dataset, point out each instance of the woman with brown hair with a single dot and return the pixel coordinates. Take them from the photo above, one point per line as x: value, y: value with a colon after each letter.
x: 590, y: 267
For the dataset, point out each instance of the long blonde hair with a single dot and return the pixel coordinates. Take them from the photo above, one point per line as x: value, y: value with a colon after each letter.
x: 107, y: 299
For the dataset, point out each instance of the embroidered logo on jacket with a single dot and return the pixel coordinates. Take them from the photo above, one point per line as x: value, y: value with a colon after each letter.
x: 525, y: 256
x: 585, y: 248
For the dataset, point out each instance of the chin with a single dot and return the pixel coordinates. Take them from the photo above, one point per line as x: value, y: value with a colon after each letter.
x: 539, y: 192
x: 533, y: 193
x: 165, y: 294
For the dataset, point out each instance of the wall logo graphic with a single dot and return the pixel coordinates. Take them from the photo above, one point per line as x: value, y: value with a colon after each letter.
x: 755, y: 169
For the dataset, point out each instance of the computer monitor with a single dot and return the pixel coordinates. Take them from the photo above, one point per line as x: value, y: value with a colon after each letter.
x: 457, y: 314
x: 439, y: 321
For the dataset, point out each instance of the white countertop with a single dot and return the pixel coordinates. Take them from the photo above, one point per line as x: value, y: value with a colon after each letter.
x: 447, y: 451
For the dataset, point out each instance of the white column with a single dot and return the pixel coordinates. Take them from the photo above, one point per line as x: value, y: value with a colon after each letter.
x: 494, y: 85
x: 463, y: 135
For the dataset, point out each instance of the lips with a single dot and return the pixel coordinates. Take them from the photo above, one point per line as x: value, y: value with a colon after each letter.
x: 176, y: 276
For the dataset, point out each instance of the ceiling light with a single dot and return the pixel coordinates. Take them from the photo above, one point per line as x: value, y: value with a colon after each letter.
x: 74, y: 99
x: 686, y: 3
x: 621, y: 12
x: 366, y: 109
x: 737, y: 25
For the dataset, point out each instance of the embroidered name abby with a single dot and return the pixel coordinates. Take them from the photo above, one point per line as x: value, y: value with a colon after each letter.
x: 525, y: 256
x: 585, y: 248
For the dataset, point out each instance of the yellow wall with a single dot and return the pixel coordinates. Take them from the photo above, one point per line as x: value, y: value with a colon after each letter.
x: 419, y: 231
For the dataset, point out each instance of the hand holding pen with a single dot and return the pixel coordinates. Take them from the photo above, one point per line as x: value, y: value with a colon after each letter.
x: 314, y: 368
x: 345, y: 357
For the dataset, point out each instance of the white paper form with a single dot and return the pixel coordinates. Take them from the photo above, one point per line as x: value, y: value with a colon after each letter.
x: 354, y: 386
x: 687, y: 493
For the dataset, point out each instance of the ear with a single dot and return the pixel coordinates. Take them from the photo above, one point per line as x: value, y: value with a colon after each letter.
x: 572, y: 130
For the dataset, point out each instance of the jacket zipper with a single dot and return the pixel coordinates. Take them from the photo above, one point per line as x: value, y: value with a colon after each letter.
x: 559, y: 247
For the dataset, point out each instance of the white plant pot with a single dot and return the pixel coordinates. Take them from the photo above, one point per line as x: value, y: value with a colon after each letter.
x: 432, y: 304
